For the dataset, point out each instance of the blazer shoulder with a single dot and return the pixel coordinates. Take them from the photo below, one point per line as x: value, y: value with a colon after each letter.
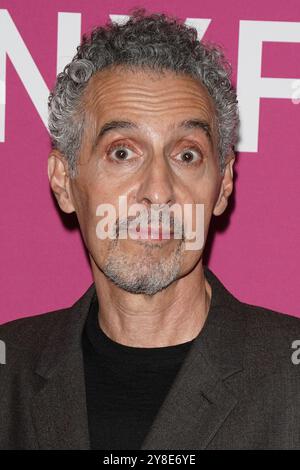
x: 259, y: 319
x: 270, y: 320
x: 33, y: 331
x: 24, y: 332
x: 271, y: 336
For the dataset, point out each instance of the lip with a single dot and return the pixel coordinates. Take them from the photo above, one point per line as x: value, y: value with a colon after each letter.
x: 145, y: 234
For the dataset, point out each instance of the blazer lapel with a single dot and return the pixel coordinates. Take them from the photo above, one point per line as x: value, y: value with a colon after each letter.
x: 201, y: 397
x: 59, y: 406
x: 59, y: 409
x: 193, y: 411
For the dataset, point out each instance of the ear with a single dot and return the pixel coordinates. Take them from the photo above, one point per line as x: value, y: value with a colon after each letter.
x: 60, y: 181
x: 226, y: 186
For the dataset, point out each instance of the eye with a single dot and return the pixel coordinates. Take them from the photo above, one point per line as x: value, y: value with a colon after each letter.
x: 190, y: 155
x: 121, y: 152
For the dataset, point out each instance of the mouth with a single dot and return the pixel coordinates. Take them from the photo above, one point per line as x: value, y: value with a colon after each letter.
x: 151, y: 234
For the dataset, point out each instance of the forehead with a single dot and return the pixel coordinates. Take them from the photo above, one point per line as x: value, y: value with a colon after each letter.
x: 146, y: 95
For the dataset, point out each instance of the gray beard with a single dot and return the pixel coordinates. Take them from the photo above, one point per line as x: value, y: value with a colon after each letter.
x: 147, y: 274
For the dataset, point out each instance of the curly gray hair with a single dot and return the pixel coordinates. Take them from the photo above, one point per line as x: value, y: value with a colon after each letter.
x: 154, y: 41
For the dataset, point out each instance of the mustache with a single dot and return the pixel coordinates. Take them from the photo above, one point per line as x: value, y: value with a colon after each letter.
x: 163, y: 221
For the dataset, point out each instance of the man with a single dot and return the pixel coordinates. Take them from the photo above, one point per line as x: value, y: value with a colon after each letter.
x: 156, y: 354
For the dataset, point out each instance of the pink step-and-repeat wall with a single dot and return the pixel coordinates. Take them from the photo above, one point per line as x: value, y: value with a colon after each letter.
x: 254, y: 248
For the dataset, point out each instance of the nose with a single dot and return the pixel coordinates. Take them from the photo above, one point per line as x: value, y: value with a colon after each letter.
x: 157, y: 186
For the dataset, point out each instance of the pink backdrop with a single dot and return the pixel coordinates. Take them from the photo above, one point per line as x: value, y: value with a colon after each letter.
x: 255, y: 250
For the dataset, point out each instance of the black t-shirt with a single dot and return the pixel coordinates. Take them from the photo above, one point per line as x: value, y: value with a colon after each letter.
x: 125, y: 386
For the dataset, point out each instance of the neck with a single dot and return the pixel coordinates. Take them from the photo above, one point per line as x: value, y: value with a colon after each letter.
x: 173, y: 316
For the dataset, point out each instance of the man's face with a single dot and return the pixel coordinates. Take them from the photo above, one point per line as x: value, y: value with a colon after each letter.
x: 164, y: 152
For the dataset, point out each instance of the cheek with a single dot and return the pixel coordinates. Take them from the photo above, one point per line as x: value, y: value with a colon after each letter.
x: 201, y: 215
x: 205, y: 194
x: 92, y: 197
x: 85, y: 208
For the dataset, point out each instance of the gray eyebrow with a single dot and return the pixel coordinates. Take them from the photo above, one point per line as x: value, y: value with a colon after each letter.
x: 111, y: 125
x: 186, y: 124
x: 198, y: 124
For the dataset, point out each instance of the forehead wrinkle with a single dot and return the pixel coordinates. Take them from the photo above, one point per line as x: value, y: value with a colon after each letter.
x: 133, y: 98
x: 159, y: 107
x: 152, y: 100
x: 157, y: 110
x: 123, y: 91
x: 123, y: 96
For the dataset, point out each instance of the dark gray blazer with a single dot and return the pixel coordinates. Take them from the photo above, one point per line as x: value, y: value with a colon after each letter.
x: 237, y: 389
